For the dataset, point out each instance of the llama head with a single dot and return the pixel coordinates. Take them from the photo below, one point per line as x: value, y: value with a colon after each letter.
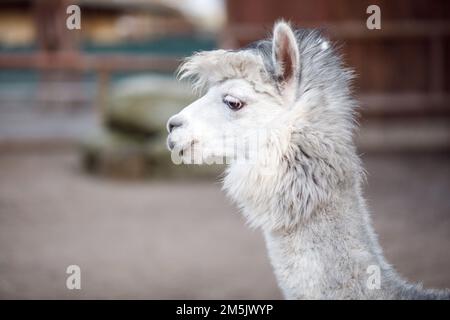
x: 288, y: 100
x: 248, y: 95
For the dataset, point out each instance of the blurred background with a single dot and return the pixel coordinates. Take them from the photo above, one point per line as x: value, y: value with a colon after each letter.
x: 85, y: 177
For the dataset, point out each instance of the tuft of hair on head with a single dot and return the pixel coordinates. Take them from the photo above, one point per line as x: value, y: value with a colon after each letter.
x: 206, y: 68
x: 195, y: 69
x: 285, y: 55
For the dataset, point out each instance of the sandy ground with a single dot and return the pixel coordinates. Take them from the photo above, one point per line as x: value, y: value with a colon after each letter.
x: 182, y: 239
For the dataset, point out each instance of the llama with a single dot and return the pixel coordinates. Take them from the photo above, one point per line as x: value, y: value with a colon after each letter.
x: 307, y: 199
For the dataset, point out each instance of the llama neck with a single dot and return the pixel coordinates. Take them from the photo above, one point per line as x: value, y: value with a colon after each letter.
x: 317, y: 229
x: 329, y: 255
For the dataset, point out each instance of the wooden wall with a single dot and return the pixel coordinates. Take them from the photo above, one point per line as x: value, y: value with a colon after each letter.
x: 403, y: 69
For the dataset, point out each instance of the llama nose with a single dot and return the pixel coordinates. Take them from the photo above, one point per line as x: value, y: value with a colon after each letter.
x: 170, y: 144
x: 173, y: 123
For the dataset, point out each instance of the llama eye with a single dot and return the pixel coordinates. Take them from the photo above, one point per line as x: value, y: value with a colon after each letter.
x: 233, y: 103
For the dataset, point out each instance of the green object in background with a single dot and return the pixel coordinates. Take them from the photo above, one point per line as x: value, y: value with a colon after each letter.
x: 115, y: 154
x: 132, y: 143
x: 145, y: 103
x: 181, y: 46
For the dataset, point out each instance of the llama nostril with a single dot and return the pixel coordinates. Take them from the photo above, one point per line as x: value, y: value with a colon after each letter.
x: 170, y: 144
x: 174, y: 123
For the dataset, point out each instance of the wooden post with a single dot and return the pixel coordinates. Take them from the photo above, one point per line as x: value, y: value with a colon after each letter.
x: 54, y: 41
x: 103, y: 82
x: 437, y: 64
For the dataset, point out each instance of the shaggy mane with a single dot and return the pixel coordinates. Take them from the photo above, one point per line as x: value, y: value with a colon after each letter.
x: 204, y: 69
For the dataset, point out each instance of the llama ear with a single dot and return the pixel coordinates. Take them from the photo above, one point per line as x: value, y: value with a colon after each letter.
x: 285, y: 55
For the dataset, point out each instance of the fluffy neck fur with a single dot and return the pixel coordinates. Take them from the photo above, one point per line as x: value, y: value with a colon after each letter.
x: 317, y: 228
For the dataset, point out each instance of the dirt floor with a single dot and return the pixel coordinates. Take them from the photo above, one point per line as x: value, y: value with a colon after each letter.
x: 183, y: 239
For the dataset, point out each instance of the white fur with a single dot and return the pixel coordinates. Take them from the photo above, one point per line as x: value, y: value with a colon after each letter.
x: 304, y: 192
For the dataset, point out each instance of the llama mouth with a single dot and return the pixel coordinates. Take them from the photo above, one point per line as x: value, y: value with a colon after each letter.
x: 190, y: 146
